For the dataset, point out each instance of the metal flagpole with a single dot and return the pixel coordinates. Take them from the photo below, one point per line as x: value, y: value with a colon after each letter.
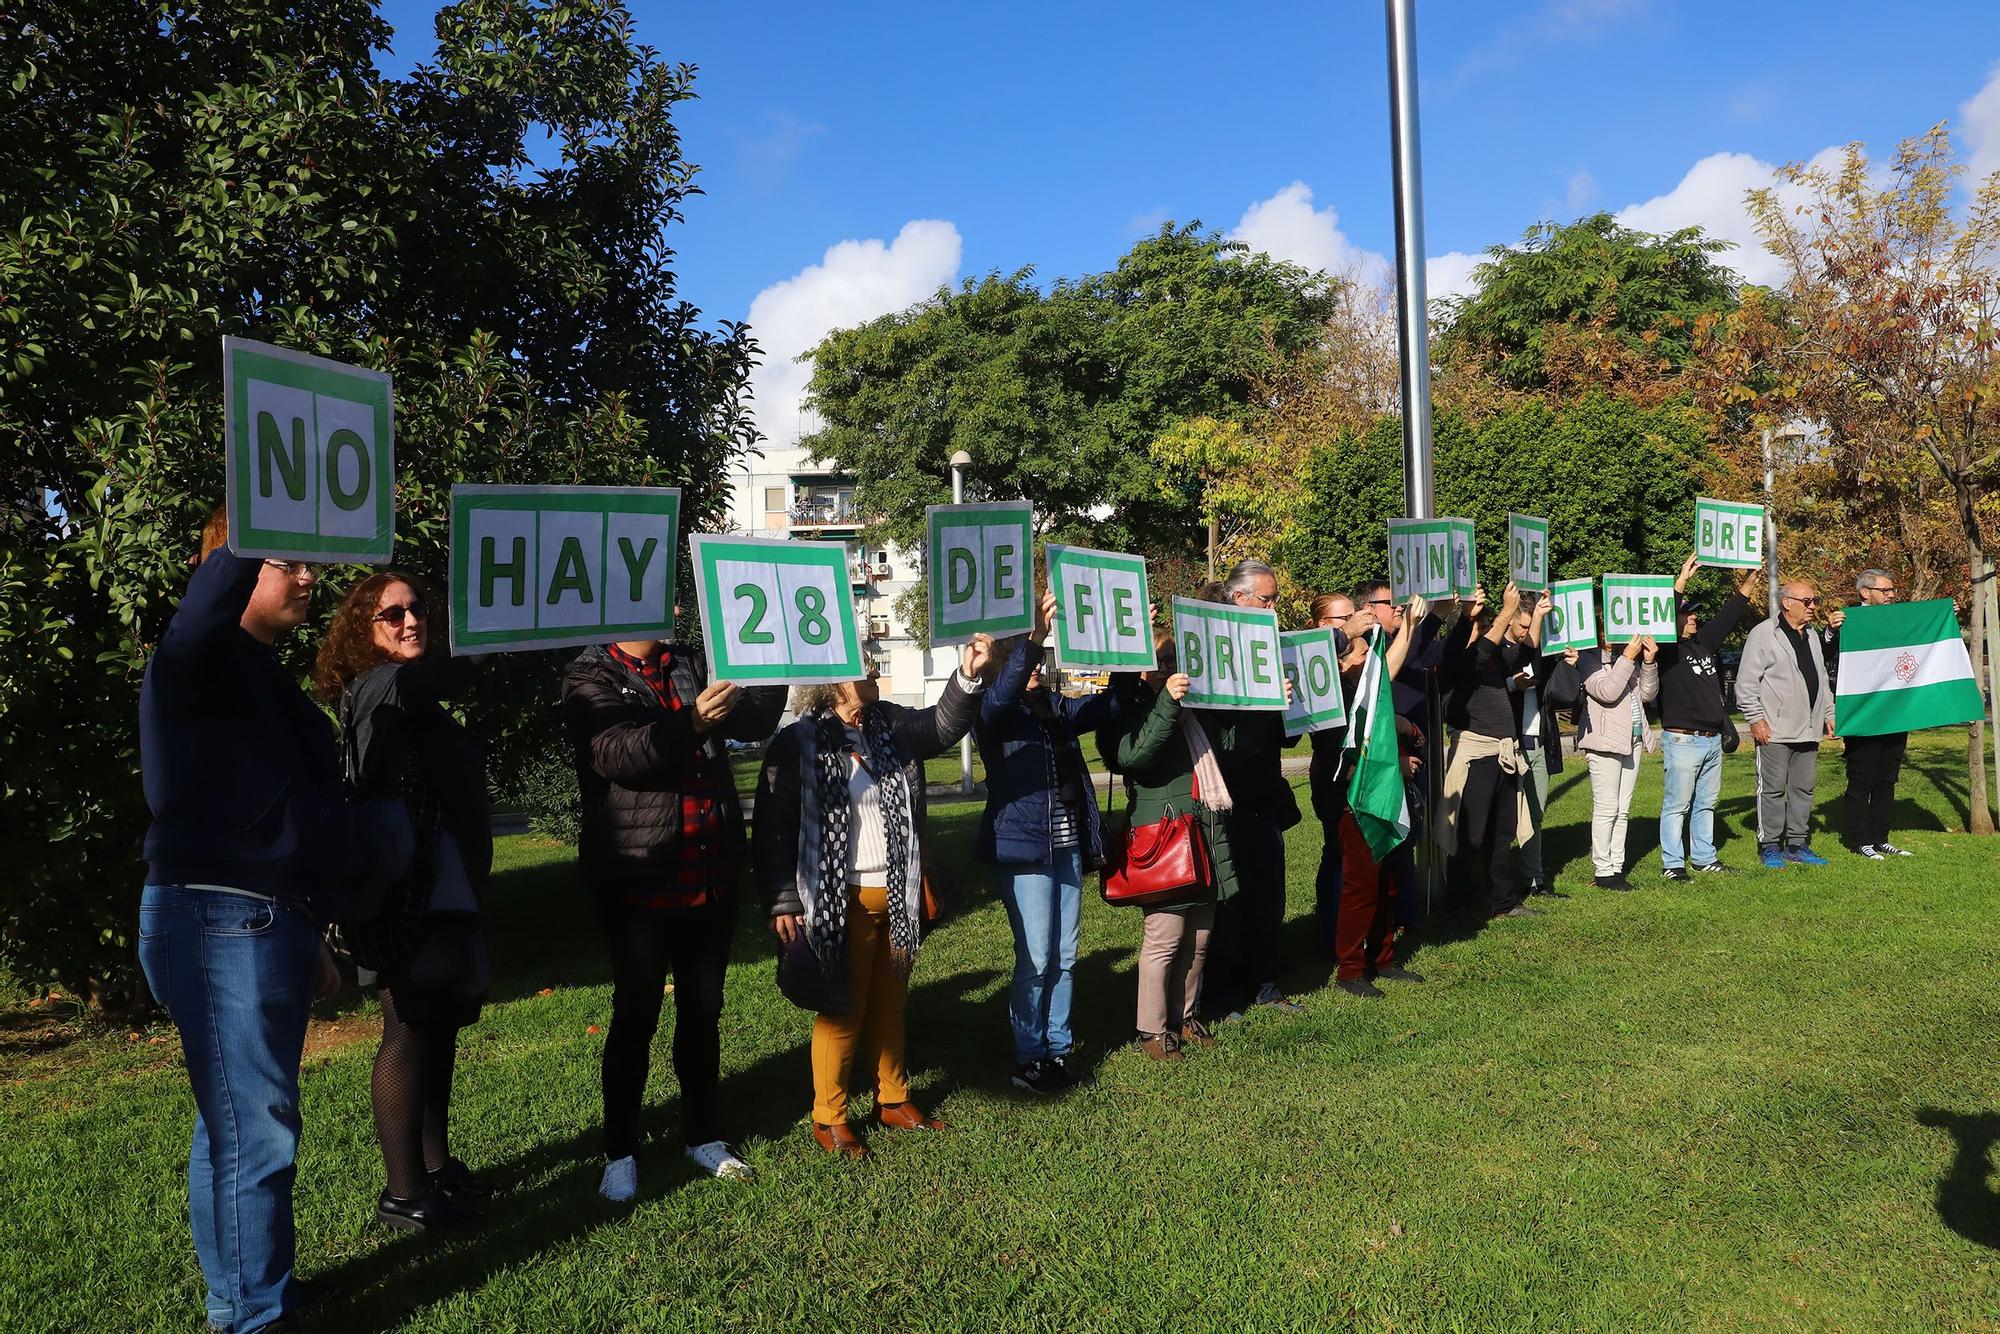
x: 1413, y: 348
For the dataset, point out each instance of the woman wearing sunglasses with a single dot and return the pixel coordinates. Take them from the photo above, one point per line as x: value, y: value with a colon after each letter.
x: 424, y: 950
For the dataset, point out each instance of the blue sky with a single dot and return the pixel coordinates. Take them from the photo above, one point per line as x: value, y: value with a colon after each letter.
x: 857, y: 156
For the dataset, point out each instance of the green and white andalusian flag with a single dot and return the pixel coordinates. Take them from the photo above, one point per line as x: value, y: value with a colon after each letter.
x: 1903, y: 666
x: 1375, y: 792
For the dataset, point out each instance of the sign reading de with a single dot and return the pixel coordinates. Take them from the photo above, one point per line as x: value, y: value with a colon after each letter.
x: 310, y: 457
x: 547, y: 566
x: 1420, y: 558
x: 1230, y: 655
x: 1572, y: 618
x: 1638, y: 604
x: 1103, y: 610
x: 1528, y: 552
x: 776, y: 612
x: 981, y: 566
x: 1728, y: 533
x: 1313, y: 670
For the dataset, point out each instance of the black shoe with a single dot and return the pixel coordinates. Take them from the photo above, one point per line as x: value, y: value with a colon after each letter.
x: 1069, y: 1067
x: 1362, y: 987
x: 435, y: 1210
x: 457, y: 1181
x: 1675, y: 873
x: 1712, y: 868
x: 1395, y: 972
x: 1545, y: 892
x: 1040, y: 1077
x: 1618, y: 882
x: 1518, y: 910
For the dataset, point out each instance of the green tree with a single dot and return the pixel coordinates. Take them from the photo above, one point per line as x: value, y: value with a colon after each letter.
x: 1590, y: 303
x: 174, y: 172
x: 1059, y: 395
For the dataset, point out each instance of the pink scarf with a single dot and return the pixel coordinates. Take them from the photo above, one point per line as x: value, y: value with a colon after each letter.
x: 1209, y: 789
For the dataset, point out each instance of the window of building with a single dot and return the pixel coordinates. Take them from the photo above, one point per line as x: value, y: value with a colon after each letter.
x: 774, y: 499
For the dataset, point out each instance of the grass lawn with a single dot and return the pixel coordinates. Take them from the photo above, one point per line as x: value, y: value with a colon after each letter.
x: 1761, y: 1102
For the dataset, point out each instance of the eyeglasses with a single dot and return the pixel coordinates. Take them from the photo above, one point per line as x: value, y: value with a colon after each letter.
x: 1263, y: 599
x: 1379, y: 602
x: 1883, y: 588
x: 418, y: 609
x: 1803, y: 602
x: 294, y: 569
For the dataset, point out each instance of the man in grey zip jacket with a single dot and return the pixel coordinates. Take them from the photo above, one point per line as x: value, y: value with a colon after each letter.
x: 1782, y: 688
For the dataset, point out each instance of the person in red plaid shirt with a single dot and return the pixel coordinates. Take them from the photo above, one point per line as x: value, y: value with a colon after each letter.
x: 663, y: 841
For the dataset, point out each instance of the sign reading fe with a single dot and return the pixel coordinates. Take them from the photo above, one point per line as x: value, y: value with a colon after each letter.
x: 981, y: 564
x: 1528, y: 552
x: 776, y: 612
x: 545, y: 566
x: 1572, y: 618
x: 311, y: 460
x: 1314, y: 673
x: 1638, y: 604
x: 1728, y: 533
x: 1230, y: 655
x: 1103, y: 610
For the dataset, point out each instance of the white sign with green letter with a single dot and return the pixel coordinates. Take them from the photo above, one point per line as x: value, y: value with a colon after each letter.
x: 1728, y: 533
x: 980, y: 559
x: 1464, y: 557
x: 310, y: 456
x: 1419, y: 558
x: 1528, y: 552
x: 776, y: 612
x: 547, y: 566
x: 1572, y: 618
x: 1313, y: 669
x: 1638, y: 604
x: 1103, y: 610
x: 1229, y: 654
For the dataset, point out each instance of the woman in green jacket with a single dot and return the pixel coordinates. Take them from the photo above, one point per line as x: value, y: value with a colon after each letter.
x: 1169, y: 769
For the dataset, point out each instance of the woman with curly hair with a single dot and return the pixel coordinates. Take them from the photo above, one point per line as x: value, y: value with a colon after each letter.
x: 838, y: 846
x: 424, y: 950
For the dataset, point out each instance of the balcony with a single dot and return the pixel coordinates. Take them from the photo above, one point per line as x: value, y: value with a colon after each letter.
x: 816, y: 512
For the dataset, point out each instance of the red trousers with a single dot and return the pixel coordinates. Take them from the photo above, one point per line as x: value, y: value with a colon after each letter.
x: 1364, y: 934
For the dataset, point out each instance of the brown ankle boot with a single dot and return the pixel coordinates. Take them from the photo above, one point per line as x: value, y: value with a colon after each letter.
x: 1195, y: 1035
x: 1160, y: 1046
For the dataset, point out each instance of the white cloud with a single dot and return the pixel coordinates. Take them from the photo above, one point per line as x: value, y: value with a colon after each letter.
x: 1581, y: 192
x: 1287, y: 227
x: 1980, y: 126
x: 1450, y: 274
x: 1711, y: 196
x: 854, y: 282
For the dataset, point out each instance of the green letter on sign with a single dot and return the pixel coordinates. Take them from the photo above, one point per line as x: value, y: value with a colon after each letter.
x: 492, y: 570
x: 1121, y: 612
x: 1191, y: 663
x: 571, y: 575
x: 1260, y: 660
x: 963, y: 575
x: 344, y: 442
x: 1003, y: 572
x: 635, y: 565
x: 271, y: 451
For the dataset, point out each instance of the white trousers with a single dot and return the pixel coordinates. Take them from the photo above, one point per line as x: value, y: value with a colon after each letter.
x: 1612, y: 778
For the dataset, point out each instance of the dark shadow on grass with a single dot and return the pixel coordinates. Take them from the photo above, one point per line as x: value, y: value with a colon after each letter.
x: 1949, y: 783
x: 1967, y: 1202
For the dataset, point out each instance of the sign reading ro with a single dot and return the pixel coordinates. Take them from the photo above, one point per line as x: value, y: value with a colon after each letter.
x: 310, y: 459
x: 547, y: 566
x: 1313, y: 670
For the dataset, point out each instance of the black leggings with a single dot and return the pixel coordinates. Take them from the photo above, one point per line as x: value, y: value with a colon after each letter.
x: 647, y: 944
x: 411, y: 1092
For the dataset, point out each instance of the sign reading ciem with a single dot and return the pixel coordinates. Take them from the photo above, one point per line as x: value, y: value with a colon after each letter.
x: 980, y: 559
x: 776, y: 612
x: 1572, y: 619
x: 1313, y: 670
x: 1728, y: 533
x: 1638, y: 604
x: 548, y: 566
x: 1103, y: 610
x: 1528, y: 552
x: 310, y: 456
x: 1230, y: 655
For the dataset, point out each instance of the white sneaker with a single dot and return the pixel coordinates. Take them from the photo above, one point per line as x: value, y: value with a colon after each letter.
x: 621, y: 1180
x: 1892, y: 849
x: 718, y: 1160
x: 1872, y: 853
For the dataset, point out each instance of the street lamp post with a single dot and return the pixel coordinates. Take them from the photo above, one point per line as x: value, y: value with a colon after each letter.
x: 959, y: 463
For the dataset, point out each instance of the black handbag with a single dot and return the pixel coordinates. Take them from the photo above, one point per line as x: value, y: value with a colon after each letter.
x: 805, y: 984
x: 1730, y: 738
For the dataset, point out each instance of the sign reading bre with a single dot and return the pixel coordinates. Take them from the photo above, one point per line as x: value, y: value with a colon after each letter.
x: 776, y: 612
x: 1314, y: 673
x: 310, y: 456
x: 1103, y: 610
x: 1229, y: 654
x: 1638, y: 604
x: 1728, y: 533
x: 1528, y: 552
x: 547, y: 566
x: 981, y: 566
x: 1572, y: 618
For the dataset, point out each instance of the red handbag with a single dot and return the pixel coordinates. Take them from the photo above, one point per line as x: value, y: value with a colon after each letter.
x: 1159, y: 864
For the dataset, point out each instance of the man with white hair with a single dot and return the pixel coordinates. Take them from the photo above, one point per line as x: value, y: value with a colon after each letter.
x: 1782, y: 688
x: 1874, y: 763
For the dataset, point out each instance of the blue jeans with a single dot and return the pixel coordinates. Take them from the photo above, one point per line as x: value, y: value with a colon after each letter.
x: 237, y: 975
x: 1045, y: 907
x: 1693, y: 782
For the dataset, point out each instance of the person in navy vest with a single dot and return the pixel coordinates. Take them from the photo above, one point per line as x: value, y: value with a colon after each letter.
x: 1041, y: 834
